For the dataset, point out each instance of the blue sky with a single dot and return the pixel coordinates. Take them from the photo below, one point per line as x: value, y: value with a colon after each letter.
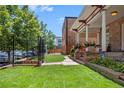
x: 54, y: 15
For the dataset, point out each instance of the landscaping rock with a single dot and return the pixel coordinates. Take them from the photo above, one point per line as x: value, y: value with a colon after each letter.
x: 121, y: 77
x: 109, y: 73
x: 105, y: 70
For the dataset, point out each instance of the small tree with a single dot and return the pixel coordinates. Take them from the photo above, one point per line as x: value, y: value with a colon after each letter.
x: 41, y: 51
x: 48, y: 36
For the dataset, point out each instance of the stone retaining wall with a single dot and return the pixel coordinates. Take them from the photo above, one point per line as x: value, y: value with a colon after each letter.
x: 109, y: 73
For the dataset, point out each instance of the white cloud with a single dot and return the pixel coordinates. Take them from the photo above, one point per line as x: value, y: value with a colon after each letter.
x: 41, y: 8
x: 46, y: 8
x: 33, y: 7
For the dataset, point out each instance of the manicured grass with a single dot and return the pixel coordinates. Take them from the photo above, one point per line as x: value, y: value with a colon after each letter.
x: 52, y: 58
x: 53, y: 76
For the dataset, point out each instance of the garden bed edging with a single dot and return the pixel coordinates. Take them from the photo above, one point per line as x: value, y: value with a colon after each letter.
x: 117, y: 77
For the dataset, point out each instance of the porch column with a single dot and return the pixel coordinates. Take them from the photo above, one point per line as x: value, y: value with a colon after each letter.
x: 86, y: 33
x: 87, y: 36
x: 103, y: 30
x: 77, y: 38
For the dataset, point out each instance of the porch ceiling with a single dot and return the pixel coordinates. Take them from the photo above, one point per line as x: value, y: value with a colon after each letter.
x: 97, y: 20
x: 83, y: 15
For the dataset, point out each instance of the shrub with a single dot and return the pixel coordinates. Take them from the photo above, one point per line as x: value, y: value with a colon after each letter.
x: 98, y: 60
x: 109, y: 63
x: 18, y: 62
x: 72, y: 51
x: 120, y: 68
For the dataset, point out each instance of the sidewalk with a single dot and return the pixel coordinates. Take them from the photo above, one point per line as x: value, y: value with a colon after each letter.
x: 67, y: 61
x: 6, y: 66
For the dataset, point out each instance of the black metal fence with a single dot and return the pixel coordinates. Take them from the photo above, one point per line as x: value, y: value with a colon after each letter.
x: 10, y: 56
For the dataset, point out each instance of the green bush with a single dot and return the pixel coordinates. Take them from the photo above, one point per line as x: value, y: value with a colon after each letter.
x: 120, y: 68
x: 109, y: 63
x: 72, y: 52
x: 18, y: 62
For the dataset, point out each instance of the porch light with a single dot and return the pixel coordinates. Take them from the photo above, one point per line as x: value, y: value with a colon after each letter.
x: 114, y: 13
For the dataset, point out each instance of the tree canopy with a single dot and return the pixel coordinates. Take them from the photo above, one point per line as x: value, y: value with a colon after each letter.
x: 21, y: 23
x: 48, y: 36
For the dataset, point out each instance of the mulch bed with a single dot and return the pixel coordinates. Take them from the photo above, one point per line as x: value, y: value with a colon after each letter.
x: 29, y: 62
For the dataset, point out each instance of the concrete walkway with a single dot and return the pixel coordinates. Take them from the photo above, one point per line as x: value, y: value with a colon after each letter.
x: 67, y: 61
x: 6, y: 66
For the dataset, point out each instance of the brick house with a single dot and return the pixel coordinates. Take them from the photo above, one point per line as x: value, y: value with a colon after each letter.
x: 109, y: 22
x: 68, y: 36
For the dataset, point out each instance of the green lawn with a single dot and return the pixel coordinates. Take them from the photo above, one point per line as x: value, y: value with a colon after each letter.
x: 52, y: 58
x: 54, y: 76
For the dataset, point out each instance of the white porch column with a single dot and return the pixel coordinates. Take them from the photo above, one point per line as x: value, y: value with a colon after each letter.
x: 77, y: 38
x: 103, y: 30
x: 86, y: 36
x: 86, y: 33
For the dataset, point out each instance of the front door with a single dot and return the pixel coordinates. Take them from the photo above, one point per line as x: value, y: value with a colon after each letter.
x: 122, y: 37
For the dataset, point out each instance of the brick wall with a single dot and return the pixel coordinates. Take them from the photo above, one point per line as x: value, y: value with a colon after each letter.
x: 92, y: 35
x: 115, y: 34
x: 64, y: 38
x: 68, y: 36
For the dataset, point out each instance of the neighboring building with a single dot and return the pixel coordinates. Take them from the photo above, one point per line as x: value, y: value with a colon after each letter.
x: 68, y: 36
x: 58, y: 42
x: 109, y: 20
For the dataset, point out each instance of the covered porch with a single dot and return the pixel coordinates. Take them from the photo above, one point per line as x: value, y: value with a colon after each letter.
x: 108, y: 22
